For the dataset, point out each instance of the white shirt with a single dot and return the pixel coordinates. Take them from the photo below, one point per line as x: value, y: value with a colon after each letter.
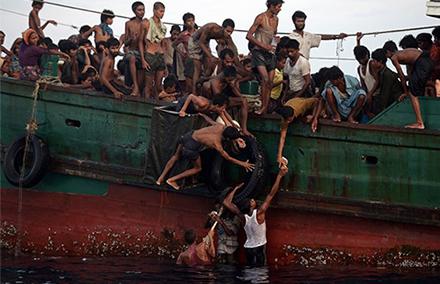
x: 255, y: 233
x: 296, y: 73
x: 306, y: 42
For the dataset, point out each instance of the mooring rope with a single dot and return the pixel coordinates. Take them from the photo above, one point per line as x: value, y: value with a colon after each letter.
x: 31, y: 129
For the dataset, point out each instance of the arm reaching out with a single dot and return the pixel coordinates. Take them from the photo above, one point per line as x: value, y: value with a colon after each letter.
x: 263, y: 208
x: 231, y: 206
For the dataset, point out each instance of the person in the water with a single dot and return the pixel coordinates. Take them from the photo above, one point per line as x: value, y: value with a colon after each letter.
x: 197, y: 254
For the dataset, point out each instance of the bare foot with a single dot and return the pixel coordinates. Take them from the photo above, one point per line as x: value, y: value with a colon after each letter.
x: 416, y: 126
x: 337, y: 118
x: 352, y: 120
x: 159, y: 182
x: 309, y: 118
x: 260, y: 112
x: 173, y: 184
x: 437, y: 88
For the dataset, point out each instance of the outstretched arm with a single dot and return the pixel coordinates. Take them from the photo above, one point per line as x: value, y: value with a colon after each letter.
x: 208, y: 119
x: 248, y: 166
x: 191, y: 98
x: 400, y: 72
x: 263, y: 208
x: 281, y: 147
x: 231, y: 206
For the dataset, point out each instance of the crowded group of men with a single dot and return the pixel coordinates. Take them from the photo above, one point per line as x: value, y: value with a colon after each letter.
x: 182, y: 68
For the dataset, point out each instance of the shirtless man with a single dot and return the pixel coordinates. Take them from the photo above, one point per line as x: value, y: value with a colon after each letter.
x: 195, y: 104
x: 181, y: 47
x: 133, y: 56
x: 102, y: 31
x: 190, y: 144
x: 34, y: 19
x: 108, y: 80
x: 226, y: 83
x: 262, y: 33
x: 153, y: 61
x: 419, y: 67
x: 200, y: 52
x: 197, y: 254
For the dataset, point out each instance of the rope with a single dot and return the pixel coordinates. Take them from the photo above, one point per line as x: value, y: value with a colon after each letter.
x: 237, y: 30
x: 31, y: 128
x: 24, y: 15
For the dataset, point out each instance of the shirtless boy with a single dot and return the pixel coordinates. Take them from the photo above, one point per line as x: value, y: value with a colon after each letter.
x: 34, y: 19
x: 102, y: 31
x: 197, y: 254
x: 191, y: 143
x: 262, y: 34
x: 153, y: 61
x: 226, y: 83
x: 181, y: 47
x: 108, y: 80
x: 419, y: 67
x: 133, y: 56
x: 200, y: 52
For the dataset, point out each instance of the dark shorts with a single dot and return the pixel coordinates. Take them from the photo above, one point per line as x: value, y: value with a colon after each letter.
x: 119, y: 88
x: 420, y: 74
x: 191, y: 147
x: 188, y: 68
x: 190, y: 109
x: 263, y: 58
x: 255, y: 256
x: 137, y: 56
x: 156, y: 62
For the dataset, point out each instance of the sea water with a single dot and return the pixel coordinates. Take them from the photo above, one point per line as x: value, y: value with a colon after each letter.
x: 146, y: 270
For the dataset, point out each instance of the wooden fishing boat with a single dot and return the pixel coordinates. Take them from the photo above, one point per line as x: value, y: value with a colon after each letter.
x: 354, y: 194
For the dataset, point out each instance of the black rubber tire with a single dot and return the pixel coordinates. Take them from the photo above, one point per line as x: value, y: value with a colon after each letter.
x: 13, y: 161
x: 256, y: 182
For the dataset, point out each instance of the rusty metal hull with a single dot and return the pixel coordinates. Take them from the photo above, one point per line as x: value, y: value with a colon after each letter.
x: 352, y: 191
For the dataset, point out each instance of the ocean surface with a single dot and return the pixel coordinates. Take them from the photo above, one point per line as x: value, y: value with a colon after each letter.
x: 141, y: 270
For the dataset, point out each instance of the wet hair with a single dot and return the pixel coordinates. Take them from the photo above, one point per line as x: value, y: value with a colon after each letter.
x: 1, y: 32
x: 136, y: 4
x: 107, y: 14
x: 247, y: 61
x: 231, y: 132
x: 84, y: 29
x: 334, y: 73
x: 67, y: 45
x: 84, y: 41
x: 225, y: 52
x: 35, y: 3
x: 281, y: 57
x: 220, y: 100
x: 273, y: 3
x: 45, y: 40
x: 390, y: 46
x: 320, y: 78
x: 230, y: 71
x: 360, y: 52
x: 52, y: 46
x: 158, y: 5
x: 175, y: 28
x: 292, y: 43
x: 245, y: 205
x: 287, y: 112
x: 299, y: 14
x: 228, y: 23
x: 168, y: 82
x: 380, y: 55
x: 409, y: 41
x: 112, y: 42
x: 436, y: 32
x: 190, y: 236
x: 424, y: 37
x: 104, y: 43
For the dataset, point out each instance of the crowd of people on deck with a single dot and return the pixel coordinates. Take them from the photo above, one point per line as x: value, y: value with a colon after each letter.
x: 178, y: 66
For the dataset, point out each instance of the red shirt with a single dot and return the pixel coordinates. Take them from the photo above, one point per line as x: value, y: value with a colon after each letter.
x: 435, y: 56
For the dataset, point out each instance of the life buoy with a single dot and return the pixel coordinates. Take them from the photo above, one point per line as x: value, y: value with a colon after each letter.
x: 38, y: 161
x: 255, y: 180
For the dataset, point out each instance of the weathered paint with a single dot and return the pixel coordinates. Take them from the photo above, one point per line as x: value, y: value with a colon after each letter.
x: 132, y: 221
